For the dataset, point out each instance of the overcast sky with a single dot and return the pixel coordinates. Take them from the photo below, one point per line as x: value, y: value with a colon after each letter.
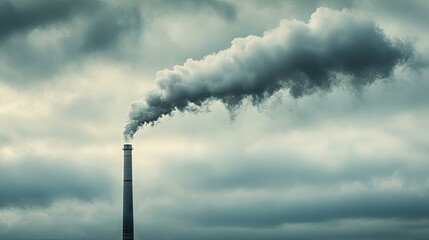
x: 274, y: 119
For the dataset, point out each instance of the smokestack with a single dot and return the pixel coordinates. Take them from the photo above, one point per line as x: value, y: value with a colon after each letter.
x: 128, y: 219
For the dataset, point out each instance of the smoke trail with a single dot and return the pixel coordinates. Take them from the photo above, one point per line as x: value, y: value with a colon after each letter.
x: 301, y: 57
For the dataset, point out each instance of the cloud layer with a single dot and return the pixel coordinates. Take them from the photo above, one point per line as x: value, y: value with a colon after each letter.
x: 44, y: 38
x: 42, y: 181
x: 336, y: 164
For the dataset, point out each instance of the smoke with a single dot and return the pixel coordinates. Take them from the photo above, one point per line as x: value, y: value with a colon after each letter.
x: 301, y: 57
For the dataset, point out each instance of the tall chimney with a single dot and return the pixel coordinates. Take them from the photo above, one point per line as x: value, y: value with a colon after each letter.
x: 128, y: 219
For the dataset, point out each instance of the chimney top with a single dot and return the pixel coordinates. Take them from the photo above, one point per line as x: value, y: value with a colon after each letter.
x: 128, y: 146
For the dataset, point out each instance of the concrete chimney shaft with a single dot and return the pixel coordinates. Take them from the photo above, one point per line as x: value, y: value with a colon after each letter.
x: 128, y: 219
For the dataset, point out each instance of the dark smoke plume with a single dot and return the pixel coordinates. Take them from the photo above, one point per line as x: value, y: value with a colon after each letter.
x: 301, y: 57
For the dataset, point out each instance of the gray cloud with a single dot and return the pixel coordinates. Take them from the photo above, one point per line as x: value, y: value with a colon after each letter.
x: 344, y: 229
x: 221, y: 8
x: 301, y: 57
x: 20, y: 16
x: 40, y: 182
x: 366, y: 205
x: 107, y: 28
x: 278, y: 215
x: 411, y: 13
x: 243, y: 183
x: 244, y: 172
x: 44, y: 38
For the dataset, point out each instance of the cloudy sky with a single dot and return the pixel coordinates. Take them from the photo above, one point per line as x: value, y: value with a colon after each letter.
x: 273, y: 119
